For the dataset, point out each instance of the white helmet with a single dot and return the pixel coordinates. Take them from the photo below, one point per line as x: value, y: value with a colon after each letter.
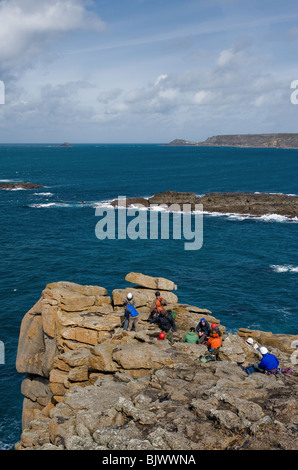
x: 129, y: 295
x: 250, y: 341
x: 263, y: 350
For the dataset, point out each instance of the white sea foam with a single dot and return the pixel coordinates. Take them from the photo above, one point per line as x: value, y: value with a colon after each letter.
x: 103, y: 204
x: 62, y: 204
x: 264, y: 218
x: 43, y: 194
x: 230, y: 215
x: 284, y: 268
x: 49, y: 204
x: 280, y: 194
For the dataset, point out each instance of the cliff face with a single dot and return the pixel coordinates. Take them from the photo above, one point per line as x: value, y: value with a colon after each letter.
x: 92, y: 385
x: 289, y: 141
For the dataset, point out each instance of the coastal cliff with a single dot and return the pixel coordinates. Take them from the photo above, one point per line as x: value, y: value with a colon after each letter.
x: 90, y: 385
x: 286, y: 141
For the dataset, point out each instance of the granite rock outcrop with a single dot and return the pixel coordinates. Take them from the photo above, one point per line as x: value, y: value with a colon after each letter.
x: 90, y: 385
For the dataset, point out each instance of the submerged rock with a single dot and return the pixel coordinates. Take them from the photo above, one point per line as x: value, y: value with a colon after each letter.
x: 20, y: 185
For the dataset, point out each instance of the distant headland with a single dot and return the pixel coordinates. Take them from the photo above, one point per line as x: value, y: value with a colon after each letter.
x: 285, y: 141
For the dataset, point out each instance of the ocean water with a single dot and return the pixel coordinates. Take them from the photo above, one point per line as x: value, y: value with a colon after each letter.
x: 246, y: 271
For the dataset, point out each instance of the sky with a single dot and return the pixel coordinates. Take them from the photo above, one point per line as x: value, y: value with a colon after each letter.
x: 146, y: 71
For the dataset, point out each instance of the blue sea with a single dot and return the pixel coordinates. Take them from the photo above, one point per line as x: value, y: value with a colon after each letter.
x: 246, y: 271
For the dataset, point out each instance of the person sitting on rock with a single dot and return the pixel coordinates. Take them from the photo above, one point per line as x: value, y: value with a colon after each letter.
x: 203, y: 330
x: 215, y: 327
x: 191, y: 337
x: 157, y: 305
x: 131, y: 318
x: 214, y: 342
x: 166, y: 323
x: 269, y: 364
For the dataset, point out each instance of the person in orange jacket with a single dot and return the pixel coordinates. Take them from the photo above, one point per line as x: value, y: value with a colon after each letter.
x: 157, y: 306
x: 214, y: 342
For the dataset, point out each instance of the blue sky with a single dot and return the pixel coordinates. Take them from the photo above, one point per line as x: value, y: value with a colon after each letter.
x: 146, y: 70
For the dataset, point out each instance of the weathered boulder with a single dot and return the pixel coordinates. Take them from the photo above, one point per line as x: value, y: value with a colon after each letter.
x: 156, y: 283
x: 140, y: 356
x: 236, y: 350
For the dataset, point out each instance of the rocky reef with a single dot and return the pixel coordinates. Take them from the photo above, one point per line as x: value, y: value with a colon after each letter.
x: 20, y: 185
x: 252, y: 204
x: 90, y: 385
x: 279, y: 140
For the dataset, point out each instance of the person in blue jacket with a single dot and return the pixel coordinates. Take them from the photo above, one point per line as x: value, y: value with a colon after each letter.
x: 269, y: 363
x: 131, y: 318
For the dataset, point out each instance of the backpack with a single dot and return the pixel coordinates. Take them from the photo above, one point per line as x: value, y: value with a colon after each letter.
x: 207, y: 358
x: 132, y: 311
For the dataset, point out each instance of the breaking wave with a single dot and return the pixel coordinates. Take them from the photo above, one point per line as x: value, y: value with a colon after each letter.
x: 284, y: 268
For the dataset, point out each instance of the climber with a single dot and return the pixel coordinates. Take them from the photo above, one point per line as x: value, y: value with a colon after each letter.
x: 157, y: 305
x: 254, y: 346
x: 166, y: 323
x: 131, y: 318
x: 269, y: 363
x: 129, y: 299
x: 251, y: 342
x: 191, y: 337
x: 215, y: 327
x: 203, y: 330
x: 214, y: 342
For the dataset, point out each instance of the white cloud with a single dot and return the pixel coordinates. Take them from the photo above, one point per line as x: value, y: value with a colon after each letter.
x: 28, y: 25
x: 199, y: 97
x: 169, y: 94
x: 160, y: 79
